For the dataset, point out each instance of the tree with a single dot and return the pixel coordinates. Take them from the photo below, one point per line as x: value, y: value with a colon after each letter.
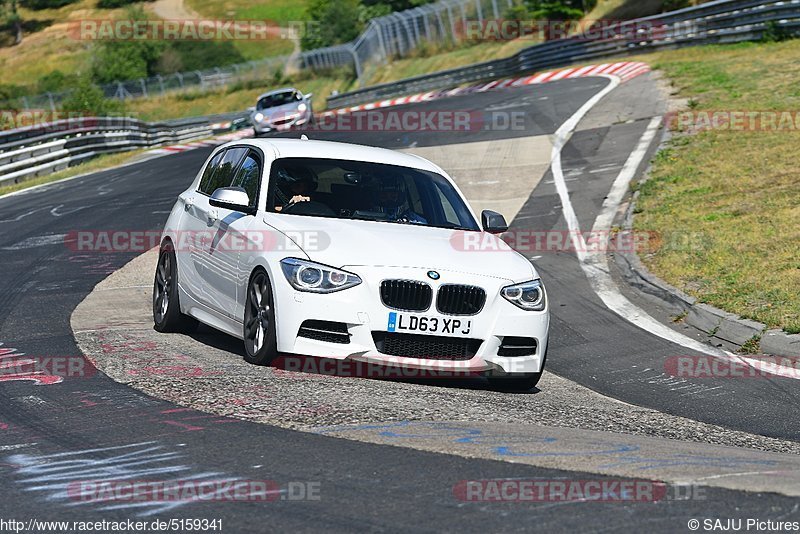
x: 9, y: 18
x: 87, y: 98
x: 332, y: 22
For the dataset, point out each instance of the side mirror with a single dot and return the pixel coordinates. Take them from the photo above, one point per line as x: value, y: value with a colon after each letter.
x: 231, y: 198
x: 251, y: 109
x: 493, y: 222
x: 309, y: 95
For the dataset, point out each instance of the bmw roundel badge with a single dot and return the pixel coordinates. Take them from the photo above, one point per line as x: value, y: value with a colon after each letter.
x: 433, y: 275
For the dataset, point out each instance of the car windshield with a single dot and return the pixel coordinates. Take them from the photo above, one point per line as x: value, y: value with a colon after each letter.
x: 278, y: 99
x: 344, y: 189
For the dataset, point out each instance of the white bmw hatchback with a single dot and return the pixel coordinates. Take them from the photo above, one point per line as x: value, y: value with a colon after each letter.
x: 343, y: 251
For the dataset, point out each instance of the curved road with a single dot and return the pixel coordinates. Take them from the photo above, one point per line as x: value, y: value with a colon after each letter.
x: 53, y: 435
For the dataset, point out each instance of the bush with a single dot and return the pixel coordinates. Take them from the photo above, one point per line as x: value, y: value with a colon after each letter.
x: 334, y: 22
x: 88, y: 98
x: 10, y: 96
x: 113, y: 4
x: 45, y: 4
x: 55, y: 82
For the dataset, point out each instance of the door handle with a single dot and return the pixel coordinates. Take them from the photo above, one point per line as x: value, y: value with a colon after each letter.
x: 212, y: 216
x: 188, y: 203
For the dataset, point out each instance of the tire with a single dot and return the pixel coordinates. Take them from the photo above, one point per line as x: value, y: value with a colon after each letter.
x: 518, y: 383
x: 260, y: 338
x: 167, y: 316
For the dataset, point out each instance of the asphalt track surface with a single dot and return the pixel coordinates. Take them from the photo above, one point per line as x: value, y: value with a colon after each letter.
x: 97, y: 425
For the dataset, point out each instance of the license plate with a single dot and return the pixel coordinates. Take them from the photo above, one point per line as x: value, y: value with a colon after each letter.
x: 402, y: 322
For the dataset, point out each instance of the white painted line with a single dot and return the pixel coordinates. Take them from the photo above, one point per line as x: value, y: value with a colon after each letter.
x: 594, y: 262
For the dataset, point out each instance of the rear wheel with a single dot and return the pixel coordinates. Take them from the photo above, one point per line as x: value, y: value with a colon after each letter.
x: 167, y: 316
x: 260, y: 339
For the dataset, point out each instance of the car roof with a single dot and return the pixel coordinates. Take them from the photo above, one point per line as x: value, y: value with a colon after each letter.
x: 276, y: 91
x: 307, y: 148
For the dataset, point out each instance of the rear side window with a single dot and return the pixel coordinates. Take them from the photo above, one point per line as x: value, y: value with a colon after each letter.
x: 222, y: 174
x: 248, y: 176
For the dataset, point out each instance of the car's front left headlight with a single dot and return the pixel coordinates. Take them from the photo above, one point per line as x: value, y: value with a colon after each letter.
x: 258, y: 117
x: 314, y: 277
x: 529, y: 296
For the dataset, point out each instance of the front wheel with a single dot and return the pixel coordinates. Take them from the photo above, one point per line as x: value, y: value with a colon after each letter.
x: 167, y: 316
x: 260, y: 339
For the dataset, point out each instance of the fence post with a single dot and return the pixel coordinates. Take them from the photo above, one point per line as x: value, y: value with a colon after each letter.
x: 379, y: 30
x: 479, y: 9
x: 495, y: 11
x: 357, y: 63
x: 452, y: 23
x: 160, y: 83
x: 144, y: 87
x: 50, y: 100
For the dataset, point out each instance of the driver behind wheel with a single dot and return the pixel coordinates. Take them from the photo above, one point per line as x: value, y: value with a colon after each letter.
x: 391, y: 198
x: 295, y: 184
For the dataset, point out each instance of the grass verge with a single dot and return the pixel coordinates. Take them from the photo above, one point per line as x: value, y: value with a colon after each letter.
x: 734, y: 194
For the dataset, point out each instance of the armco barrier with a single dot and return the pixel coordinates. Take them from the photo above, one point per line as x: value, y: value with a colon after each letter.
x: 43, y: 149
x: 723, y: 21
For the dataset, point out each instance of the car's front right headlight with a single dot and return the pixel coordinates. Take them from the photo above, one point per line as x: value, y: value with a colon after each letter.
x: 314, y: 277
x: 529, y: 296
x: 258, y: 117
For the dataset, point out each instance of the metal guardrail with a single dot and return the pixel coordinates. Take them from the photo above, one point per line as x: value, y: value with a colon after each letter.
x: 723, y: 21
x: 35, y: 151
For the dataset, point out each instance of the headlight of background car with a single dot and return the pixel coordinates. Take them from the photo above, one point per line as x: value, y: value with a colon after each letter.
x: 258, y: 117
x: 314, y: 277
x: 527, y: 295
x: 302, y: 107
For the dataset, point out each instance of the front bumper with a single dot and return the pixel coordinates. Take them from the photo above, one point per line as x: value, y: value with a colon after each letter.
x: 281, y: 124
x: 361, y: 309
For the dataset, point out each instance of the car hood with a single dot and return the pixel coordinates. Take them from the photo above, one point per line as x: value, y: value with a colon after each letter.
x: 347, y: 244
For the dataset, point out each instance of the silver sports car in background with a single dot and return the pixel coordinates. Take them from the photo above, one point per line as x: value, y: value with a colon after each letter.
x: 281, y: 110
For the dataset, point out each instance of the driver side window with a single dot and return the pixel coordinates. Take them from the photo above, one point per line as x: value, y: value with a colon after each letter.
x: 219, y: 172
x: 248, y: 177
